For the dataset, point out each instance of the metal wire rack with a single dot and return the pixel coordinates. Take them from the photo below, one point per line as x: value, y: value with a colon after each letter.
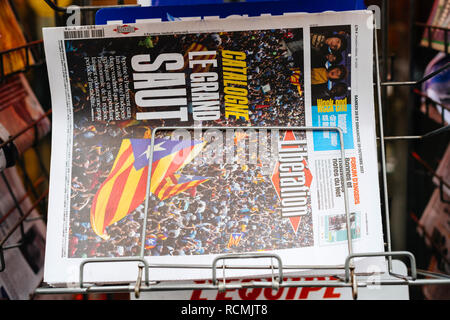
x: 351, y: 280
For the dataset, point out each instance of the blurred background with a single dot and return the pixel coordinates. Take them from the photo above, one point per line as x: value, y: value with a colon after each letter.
x: 418, y: 174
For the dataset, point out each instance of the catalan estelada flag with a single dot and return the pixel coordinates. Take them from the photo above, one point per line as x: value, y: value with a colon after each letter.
x: 234, y: 240
x: 176, y: 184
x: 295, y: 80
x: 125, y: 187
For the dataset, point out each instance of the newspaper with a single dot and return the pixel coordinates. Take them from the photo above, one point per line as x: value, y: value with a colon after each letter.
x: 211, y: 192
x: 24, y: 264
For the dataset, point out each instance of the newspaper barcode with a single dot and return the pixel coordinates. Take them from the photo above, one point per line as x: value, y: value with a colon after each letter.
x: 76, y: 34
x: 97, y: 33
x: 80, y: 34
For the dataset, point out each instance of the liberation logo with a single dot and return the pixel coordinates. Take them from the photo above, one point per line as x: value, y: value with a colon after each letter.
x: 292, y: 178
x: 125, y: 29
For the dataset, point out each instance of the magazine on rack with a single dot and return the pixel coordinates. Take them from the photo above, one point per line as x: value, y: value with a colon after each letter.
x: 211, y: 192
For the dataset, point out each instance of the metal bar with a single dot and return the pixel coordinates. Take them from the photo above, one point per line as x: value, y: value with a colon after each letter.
x: 413, y: 83
x: 383, y: 153
x: 19, y: 222
x: 233, y: 286
x: 34, y: 219
x: 28, y: 127
x: 385, y: 49
x: 411, y: 257
x: 436, y: 132
x: 27, y: 45
x: 247, y: 256
x: 102, y: 260
x: 147, y: 194
x: 393, y: 138
x: 424, y: 95
x: 240, y: 267
x: 421, y: 24
x: 12, y: 246
x: 433, y: 274
x: 57, y: 8
x: 424, y: 136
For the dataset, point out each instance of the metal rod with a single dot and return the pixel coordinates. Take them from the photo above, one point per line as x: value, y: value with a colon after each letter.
x: 424, y: 136
x: 436, y: 132
x: 407, y: 254
x: 28, y: 127
x: 147, y: 195
x: 435, y: 275
x: 424, y: 95
x: 27, y: 45
x: 104, y: 260
x: 19, y: 222
x: 12, y: 246
x: 420, y: 24
x: 383, y: 153
x: 247, y: 256
x: 234, y: 286
x: 56, y: 8
x: 413, y: 83
x: 394, y: 138
x: 27, y: 66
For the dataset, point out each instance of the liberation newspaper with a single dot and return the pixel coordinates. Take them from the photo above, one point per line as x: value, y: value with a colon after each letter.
x: 206, y: 192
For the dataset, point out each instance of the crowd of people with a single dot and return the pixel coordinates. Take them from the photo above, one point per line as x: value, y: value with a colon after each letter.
x: 237, y: 198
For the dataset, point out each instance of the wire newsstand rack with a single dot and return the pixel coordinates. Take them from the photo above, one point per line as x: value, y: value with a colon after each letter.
x: 350, y: 280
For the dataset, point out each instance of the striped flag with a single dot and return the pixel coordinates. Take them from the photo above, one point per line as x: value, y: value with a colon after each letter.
x: 234, y: 240
x: 125, y: 187
x: 176, y: 184
x: 295, y: 80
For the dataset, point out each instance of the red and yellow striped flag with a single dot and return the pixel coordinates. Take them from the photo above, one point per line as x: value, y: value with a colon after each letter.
x: 176, y: 184
x: 234, y: 240
x: 295, y: 80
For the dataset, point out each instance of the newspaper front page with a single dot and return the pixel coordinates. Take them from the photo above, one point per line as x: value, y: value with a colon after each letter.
x: 208, y: 192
